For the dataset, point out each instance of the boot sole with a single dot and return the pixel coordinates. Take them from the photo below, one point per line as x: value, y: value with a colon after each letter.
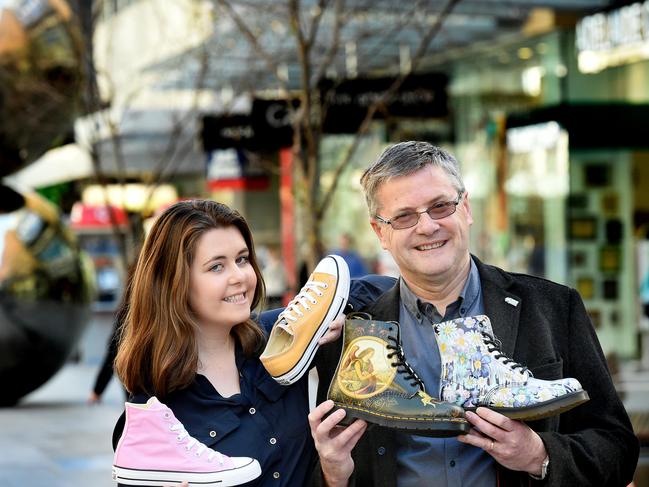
x: 337, y: 306
x: 547, y: 409
x: 162, y: 478
x: 437, y: 428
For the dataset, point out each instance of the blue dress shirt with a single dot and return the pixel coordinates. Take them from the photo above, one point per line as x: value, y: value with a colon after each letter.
x: 437, y: 461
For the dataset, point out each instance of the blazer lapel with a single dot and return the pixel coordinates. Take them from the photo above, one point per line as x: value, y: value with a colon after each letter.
x: 386, y: 307
x: 501, y: 306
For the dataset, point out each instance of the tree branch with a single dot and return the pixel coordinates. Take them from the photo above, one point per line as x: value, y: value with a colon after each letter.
x: 421, y: 50
x: 254, y: 42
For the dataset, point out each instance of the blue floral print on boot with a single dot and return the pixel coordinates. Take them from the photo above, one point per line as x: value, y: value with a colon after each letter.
x: 476, y: 373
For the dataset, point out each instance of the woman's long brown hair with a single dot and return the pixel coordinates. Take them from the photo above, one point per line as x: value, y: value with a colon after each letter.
x: 158, y: 352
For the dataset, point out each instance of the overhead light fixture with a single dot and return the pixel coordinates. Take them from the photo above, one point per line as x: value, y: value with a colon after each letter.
x: 531, y: 79
x: 560, y: 70
x: 525, y: 53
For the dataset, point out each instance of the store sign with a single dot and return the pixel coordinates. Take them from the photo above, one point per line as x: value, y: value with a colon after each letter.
x: 267, y: 128
x: 614, y: 38
x: 84, y: 217
x: 522, y: 140
x: 231, y: 169
x: 345, y: 103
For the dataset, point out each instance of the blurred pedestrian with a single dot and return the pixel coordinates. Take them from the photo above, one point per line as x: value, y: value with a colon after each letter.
x: 644, y: 293
x: 106, y: 370
x: 274, y: 277
x: 356, y: 264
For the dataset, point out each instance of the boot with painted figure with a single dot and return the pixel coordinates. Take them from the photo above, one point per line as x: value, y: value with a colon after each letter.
x: 374, y: 382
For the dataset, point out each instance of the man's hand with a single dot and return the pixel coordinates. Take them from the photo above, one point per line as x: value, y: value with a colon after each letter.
x: 335, y: 443
x: 334, y: 331
x: 511, y: 443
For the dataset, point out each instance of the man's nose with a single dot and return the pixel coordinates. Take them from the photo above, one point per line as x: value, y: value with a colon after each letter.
x: 426, y: 224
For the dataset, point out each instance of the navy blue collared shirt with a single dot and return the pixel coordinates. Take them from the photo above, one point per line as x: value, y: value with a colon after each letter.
x: 437, y: 461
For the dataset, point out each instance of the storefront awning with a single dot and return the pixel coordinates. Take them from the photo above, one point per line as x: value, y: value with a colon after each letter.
x: 60, y: 165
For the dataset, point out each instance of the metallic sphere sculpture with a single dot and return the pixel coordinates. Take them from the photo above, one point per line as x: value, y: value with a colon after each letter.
x: 46, y: 284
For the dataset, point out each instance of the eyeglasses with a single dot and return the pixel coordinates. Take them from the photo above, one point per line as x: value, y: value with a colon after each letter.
x: 436, y: 212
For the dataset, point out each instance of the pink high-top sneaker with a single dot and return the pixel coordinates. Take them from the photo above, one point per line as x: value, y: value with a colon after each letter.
x: 156, y: 450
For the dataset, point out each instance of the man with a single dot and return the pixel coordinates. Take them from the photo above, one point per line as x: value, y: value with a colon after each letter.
x: 420, y: 211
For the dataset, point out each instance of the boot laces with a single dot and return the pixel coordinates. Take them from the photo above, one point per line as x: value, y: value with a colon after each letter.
x: 193, y: 442
x: 495, y: 346
x: 401, y: 361
x: 306, y: 296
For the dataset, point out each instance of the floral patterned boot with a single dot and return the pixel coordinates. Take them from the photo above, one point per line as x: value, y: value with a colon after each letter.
x: 475, y: 373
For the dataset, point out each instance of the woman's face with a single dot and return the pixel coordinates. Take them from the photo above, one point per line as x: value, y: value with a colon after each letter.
x: 222, y: 280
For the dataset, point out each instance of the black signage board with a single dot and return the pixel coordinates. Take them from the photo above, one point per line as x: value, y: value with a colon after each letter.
x: 345, y: 103
x: 226, y: 131
x: 590, y: 126
x: 266, y: 128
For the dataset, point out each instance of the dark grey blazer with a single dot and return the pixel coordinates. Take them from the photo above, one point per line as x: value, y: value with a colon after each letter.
x: 549, y: 332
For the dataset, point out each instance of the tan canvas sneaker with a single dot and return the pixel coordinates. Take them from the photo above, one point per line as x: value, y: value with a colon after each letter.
x: 293, y: 340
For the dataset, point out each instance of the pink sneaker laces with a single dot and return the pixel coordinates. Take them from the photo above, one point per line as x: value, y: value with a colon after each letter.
x: 193, y: 442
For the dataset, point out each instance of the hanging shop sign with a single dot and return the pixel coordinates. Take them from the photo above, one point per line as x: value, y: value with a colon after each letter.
x: 613, y: 38
x: 345, y: 103
x: 232, y: 169
x: 266, y: 128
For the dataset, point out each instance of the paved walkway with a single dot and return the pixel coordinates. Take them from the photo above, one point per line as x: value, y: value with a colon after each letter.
x: 52, y: 438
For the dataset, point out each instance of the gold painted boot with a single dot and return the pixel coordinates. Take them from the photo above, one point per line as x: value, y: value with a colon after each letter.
x: 374, y: 382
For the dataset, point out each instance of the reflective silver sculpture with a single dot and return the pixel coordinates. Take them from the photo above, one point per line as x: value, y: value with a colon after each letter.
x: 40, y: 79
x: 46, y: 284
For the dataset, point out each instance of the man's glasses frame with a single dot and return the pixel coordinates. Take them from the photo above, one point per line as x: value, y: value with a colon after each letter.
x: 437, y: 211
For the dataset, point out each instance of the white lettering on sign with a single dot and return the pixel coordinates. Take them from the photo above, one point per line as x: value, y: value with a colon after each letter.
x: 610, y: 39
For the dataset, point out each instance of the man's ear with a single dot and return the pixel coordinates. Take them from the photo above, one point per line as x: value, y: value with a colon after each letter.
x: 379, y: 229
x: 467, y: 208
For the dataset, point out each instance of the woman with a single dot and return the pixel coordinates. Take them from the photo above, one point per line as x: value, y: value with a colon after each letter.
x: 189, y: 340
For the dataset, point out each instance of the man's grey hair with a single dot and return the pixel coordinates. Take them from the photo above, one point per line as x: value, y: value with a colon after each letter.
x: 403, y: 159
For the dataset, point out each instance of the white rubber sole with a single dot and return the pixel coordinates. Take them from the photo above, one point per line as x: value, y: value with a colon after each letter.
x: 337, y: 306
x: 161, y: 478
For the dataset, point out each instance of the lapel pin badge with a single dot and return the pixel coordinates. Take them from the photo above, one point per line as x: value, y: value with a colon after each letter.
x: 511, y: 301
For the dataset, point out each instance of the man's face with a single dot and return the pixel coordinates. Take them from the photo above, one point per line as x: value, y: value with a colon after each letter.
x: 432, y: 251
